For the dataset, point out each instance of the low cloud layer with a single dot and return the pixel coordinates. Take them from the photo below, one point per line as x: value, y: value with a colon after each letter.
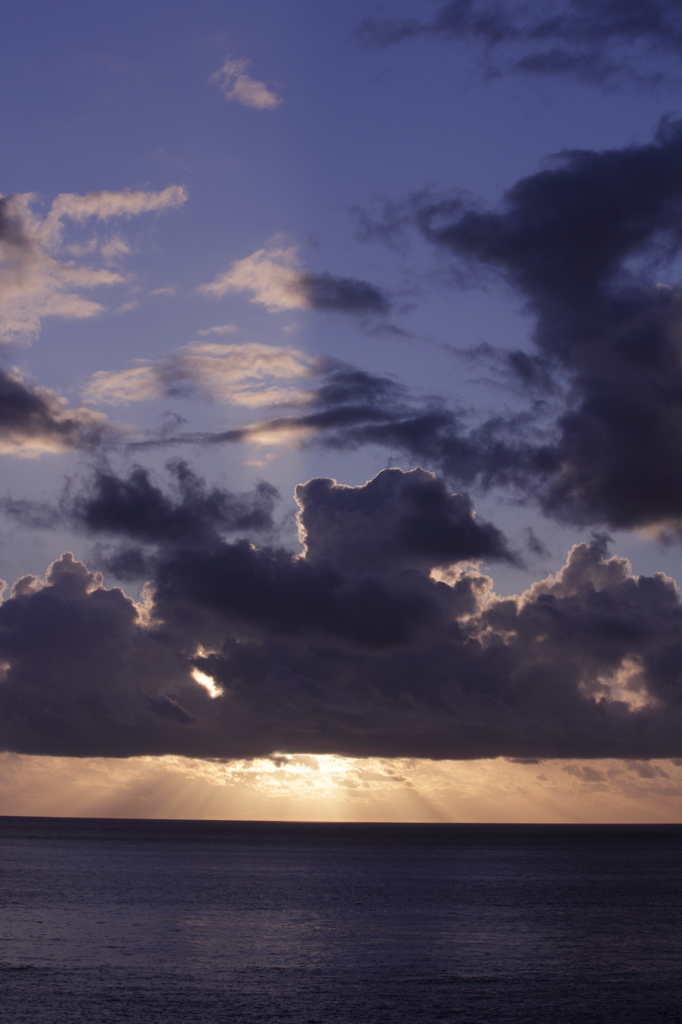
x: 404, y: 653
x: 594, y: 40
x: 276, y: 280
x: 44, y: 276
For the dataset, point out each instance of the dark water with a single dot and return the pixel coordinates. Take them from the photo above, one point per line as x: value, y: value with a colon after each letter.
x: 203, y: 922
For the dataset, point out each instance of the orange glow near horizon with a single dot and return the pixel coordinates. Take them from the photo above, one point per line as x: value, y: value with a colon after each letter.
x: 330, y: 788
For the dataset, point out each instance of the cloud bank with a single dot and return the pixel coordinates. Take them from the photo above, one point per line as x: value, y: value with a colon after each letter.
x: 379, y: 639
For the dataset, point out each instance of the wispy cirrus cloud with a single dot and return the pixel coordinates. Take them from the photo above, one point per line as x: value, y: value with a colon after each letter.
x: 249, y: 374
x: 236, y: 84
x: 598, y: 41
x: 105, y: 204
x: 44, y: 276
x: 277, y: 280
x: 219, y: 329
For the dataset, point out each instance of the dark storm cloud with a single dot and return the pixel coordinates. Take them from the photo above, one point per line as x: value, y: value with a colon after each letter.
x: 266, y: 591
x: 139, y: 510
x: 584, y: 241
x: 34, y: 418
x: 342, y: 294
x: 364, y: 546
x: 595, y: 40
x: 83, y: 678
x: 397, y: 519
x: 378, y: 640
x: 324, y: 657
x: 191, y: 513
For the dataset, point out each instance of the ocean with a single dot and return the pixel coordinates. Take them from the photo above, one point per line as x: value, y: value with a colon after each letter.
x: 196, y: 922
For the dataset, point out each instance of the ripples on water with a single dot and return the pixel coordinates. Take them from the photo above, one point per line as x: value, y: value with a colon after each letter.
x: 201, y: 922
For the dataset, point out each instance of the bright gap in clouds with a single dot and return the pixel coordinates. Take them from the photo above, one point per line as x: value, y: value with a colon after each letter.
x: 209, y: 684
x: 332, y: 788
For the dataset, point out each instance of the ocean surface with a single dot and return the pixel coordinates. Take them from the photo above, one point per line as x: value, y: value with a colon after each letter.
x: 181, y: 922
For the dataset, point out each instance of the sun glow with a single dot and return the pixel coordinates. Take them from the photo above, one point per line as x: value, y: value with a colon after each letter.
x: 206, y: 681
x: 312, y: 787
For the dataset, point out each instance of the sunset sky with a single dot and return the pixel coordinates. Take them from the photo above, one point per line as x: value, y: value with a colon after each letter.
x: 341, y: 410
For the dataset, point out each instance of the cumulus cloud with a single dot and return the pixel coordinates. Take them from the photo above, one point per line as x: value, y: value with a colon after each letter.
x: 236, y: 84
x: 276, y: 280
x: 330, y: 651
x: 398, y: 519
x: 38, y: 278
x: 585, y: 242
x: 248, y: 374
x: 35, y: 420
x: 100, y: 632
x: 594, y: 40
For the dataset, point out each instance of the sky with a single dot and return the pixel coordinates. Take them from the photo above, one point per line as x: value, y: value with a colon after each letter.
x: 341, y: 410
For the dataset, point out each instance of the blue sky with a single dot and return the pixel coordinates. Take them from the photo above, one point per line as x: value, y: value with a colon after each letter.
x: 307, y: 127
x: 120, y: 99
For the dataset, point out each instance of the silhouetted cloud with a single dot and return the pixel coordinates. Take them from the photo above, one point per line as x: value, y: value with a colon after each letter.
x: 351, y: 408
x: 398, y: 519
x: 186, y: 512
x: 191, y: 514
x: 595, y: 40
x: 583, y: 242
x: 35, y: 420
x: 342, y: 294
x: 395, y: 522
x: 315, y: 655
